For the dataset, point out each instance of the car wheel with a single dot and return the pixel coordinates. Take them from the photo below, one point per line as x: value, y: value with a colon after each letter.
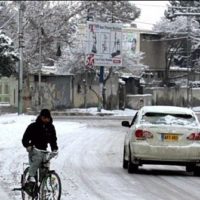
x: 125, y: 162
x: 197, y: 171
x: 132, y: 168
x: 190, y: 167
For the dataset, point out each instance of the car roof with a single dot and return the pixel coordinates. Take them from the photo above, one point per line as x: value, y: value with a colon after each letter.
x: 167, y: 109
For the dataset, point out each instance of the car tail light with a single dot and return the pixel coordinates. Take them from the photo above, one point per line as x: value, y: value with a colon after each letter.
x: 194, y: 136
x: 141, y: 134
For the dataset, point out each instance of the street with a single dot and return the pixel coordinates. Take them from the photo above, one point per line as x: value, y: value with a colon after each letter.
x: 96, y: 167
x: 90, y: 166
x: 92, y: 65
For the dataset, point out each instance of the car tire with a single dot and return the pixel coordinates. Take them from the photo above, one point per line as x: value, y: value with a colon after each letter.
x: 132, y: 168
x: 197, y: 171
x: 190, y: 167
x: 125, y: 162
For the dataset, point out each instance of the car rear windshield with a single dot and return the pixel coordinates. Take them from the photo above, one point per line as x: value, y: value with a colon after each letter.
x: 168, y: 118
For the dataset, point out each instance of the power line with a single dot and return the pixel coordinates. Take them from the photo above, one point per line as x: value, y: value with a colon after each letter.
x: 140, y: 22
x: 138, y: 4
x: 8, y: 21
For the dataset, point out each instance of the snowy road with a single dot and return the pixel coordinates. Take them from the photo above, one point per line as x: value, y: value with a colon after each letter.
x: 90, y: 164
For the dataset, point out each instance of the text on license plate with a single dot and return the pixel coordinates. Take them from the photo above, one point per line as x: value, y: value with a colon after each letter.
x: 170, y: 137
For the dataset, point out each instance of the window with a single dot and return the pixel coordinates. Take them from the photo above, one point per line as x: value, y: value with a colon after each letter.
x: 168, y: 119
x: 78, y: 88
x: 4, y: 91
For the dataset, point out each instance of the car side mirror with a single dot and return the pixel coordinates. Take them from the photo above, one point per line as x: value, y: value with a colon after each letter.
x: 125, y: 123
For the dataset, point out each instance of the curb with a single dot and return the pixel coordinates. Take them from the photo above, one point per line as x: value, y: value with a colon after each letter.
x: 64, y: 113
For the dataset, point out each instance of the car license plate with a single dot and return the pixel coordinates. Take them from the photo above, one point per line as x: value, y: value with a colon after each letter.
x: 170, y: 137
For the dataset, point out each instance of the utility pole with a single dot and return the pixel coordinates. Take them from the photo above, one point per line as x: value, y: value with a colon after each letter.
x: 40, y: 68
x: 89, y: 17
x: 101, y: 88
x: 40, y: 32
x: 188, y: 56
x: 20, y: 81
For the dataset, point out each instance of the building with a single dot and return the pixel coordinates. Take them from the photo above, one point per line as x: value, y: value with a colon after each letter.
x: 60, y: 91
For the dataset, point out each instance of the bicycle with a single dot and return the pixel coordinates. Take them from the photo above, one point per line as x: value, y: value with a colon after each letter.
x: 48, y: 183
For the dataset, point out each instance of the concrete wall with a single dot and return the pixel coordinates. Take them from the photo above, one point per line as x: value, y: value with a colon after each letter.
x: 86, y: 91
x: 137, y: 101
x: 56, y: 92
x: 168, y: 96
x: 60, y: 92
x: 176, y: 96
x: 173, y: 96
x: 195, y: 97
x: 83, y: 97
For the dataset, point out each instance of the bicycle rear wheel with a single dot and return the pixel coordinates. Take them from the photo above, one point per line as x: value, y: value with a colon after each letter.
x: 50, y: 188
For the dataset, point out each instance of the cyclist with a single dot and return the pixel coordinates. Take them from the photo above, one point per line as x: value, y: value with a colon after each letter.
x: 37, y: 136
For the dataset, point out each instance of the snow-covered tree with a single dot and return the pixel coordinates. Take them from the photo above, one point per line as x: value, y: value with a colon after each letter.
x: 109, y: 11
x: 175, y: 32
x: 132, y: 62
x: 182, y: 23
x: 102, y: 11
x: 8, y: 56
x: 105, y: 11
x: 171, y: 27
x: 53, y: 25
x: 46, y: 24
x: 179, y: 6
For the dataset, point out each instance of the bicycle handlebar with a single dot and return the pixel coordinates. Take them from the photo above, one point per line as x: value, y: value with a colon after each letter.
x: 49, y: 153
x: 45, y: 151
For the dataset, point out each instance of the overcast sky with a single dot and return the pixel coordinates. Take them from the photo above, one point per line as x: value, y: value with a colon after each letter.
x: 151, y: 12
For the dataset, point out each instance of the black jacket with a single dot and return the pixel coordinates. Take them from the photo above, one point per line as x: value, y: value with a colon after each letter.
x: 39, y: 135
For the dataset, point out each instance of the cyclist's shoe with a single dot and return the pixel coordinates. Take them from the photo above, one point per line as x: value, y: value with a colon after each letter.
x: 31, y: 179
x: 29, y: 188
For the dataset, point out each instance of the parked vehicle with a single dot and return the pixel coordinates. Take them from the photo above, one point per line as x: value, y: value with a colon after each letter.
x: 162, y: 135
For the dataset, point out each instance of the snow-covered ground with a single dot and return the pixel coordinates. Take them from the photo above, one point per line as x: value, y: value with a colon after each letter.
x: 89, y: 161
x: 125, y: 112
x: 13, y: 154
x: 94, y: 111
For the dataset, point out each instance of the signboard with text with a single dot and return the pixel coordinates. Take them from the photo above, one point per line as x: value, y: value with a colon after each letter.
x: 103, y: 44
x: 130, y: 41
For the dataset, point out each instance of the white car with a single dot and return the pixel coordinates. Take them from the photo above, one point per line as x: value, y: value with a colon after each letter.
x: 162, y: 135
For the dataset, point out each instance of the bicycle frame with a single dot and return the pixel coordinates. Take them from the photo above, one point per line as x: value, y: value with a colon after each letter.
x: 42, y: 175
x: 45, y: 164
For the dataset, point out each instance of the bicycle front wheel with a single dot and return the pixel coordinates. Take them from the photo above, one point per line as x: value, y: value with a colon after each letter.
x: 50, y: 188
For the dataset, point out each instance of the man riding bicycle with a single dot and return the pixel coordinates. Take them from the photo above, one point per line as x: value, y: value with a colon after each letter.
x: 38, y: 135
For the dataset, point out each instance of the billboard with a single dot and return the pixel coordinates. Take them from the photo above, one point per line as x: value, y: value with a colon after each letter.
x: 103, y: 44
x: 130, y: 41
